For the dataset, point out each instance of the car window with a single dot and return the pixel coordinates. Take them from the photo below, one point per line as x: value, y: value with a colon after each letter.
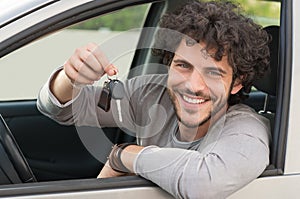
x: 265, y: 13
x: 26, y: 69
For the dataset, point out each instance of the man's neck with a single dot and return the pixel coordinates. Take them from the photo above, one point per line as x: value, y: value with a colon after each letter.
x: 188, y: 134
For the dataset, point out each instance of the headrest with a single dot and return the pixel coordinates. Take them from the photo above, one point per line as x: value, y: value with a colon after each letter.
x: 267, y: 84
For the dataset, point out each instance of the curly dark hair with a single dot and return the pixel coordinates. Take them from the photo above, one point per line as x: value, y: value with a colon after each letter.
x: 224, y: 29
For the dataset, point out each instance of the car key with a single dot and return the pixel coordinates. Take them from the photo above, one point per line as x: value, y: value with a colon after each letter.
x: 112, y: 88
x: 117, y: 92
x: 105, y: 97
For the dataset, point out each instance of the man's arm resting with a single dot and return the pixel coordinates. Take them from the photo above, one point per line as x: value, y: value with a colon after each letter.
x: 120, y: 162
x: 190, y: 174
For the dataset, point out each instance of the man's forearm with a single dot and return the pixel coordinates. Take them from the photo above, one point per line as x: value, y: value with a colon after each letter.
x: 62, y: 88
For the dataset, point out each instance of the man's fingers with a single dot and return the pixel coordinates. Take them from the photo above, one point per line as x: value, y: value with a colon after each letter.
x: 111, y: 70
x: 75, y: 76
x: 108, y: 68
x: 88, y: 64
x: 102, y: 59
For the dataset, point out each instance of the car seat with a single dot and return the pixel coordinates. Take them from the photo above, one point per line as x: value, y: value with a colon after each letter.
x: 269, y: 84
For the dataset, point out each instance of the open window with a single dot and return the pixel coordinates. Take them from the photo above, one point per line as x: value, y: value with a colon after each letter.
x: 53, y: 151
x: 265, y: 95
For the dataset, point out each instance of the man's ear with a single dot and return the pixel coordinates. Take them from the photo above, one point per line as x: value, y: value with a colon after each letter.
x: 237, y: 86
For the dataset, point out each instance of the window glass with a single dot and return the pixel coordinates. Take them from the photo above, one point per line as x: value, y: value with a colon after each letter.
x: 262, y: 12
x: 24, y: 71
x: 265, y: 13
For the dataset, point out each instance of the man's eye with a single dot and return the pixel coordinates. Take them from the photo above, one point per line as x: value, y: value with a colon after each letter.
x: 214, y: 73
x: 183, y: 65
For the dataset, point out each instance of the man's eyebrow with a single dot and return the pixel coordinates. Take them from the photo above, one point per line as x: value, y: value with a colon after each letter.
x: 182, y: 61
x: 212, y: 68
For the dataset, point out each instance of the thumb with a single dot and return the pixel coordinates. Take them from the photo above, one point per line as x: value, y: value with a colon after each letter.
x: 111, y: 70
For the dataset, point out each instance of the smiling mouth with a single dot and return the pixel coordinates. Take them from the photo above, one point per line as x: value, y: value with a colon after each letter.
x: 193, y: 100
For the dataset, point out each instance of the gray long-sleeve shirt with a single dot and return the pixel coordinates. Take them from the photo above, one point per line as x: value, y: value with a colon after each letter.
x: 233, y: 153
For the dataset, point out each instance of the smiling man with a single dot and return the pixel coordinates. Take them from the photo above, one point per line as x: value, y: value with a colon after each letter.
x: 199, y: 88
x: 194, y: 137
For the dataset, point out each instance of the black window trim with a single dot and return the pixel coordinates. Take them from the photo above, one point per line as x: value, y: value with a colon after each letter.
x: 277, y: 157
x: 284, y: 86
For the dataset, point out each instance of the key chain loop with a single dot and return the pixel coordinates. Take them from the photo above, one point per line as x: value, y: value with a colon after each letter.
x: 111, y: 77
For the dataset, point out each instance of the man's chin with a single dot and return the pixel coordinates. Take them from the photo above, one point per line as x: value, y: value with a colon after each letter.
x: 189, y: 124
x: 193, y: 123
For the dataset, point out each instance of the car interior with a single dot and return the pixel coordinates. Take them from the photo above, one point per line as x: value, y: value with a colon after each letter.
x: 57, y: 152
x: 268, y: 86
x: 14, y: 167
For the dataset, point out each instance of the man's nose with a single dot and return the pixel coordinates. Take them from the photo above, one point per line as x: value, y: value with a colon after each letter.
x: 196, y: 81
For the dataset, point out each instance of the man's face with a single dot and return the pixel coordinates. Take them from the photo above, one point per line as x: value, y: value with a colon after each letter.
x: 198, y: 85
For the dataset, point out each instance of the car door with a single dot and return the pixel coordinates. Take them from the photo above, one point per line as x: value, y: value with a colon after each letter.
x: 55, y: 152
x: 52, y: 150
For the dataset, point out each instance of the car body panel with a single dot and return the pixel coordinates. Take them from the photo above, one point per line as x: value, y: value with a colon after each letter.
x: 133, y: 193
x: 293, y: 142
x: 36, y: 17
x: 278, y: 187
x: 14, y: 9
x: 121, y: 187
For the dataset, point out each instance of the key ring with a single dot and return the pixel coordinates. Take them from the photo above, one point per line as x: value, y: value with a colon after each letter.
x: 111, y: 77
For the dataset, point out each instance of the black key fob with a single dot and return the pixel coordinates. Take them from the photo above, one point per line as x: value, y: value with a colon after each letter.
x: 116, y: 89
x: 112, y: 88
x: 105, y: 97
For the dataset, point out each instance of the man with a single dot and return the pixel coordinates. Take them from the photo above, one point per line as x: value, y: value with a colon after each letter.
x: 195, y: 139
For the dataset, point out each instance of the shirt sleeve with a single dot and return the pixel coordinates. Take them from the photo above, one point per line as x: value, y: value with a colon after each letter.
x: 231, y: 162
x: 83, y: 109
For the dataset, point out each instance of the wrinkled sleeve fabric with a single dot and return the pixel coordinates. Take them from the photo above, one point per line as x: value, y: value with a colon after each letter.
x: 83, y: 110
x: 239, y: 156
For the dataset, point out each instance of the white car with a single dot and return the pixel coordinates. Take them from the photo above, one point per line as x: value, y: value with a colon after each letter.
x: 42, y: 159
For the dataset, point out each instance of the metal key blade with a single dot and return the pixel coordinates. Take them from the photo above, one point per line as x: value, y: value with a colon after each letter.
x: 119, y: 110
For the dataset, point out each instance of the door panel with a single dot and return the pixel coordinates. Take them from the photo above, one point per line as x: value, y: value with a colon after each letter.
x: 52, y: 150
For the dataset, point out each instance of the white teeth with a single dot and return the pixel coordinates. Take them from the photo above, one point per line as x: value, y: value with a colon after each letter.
x: 193, y: 101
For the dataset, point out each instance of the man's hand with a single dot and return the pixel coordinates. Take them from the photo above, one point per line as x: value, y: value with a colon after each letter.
x: 108, y: 172
x: 87, y: 65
